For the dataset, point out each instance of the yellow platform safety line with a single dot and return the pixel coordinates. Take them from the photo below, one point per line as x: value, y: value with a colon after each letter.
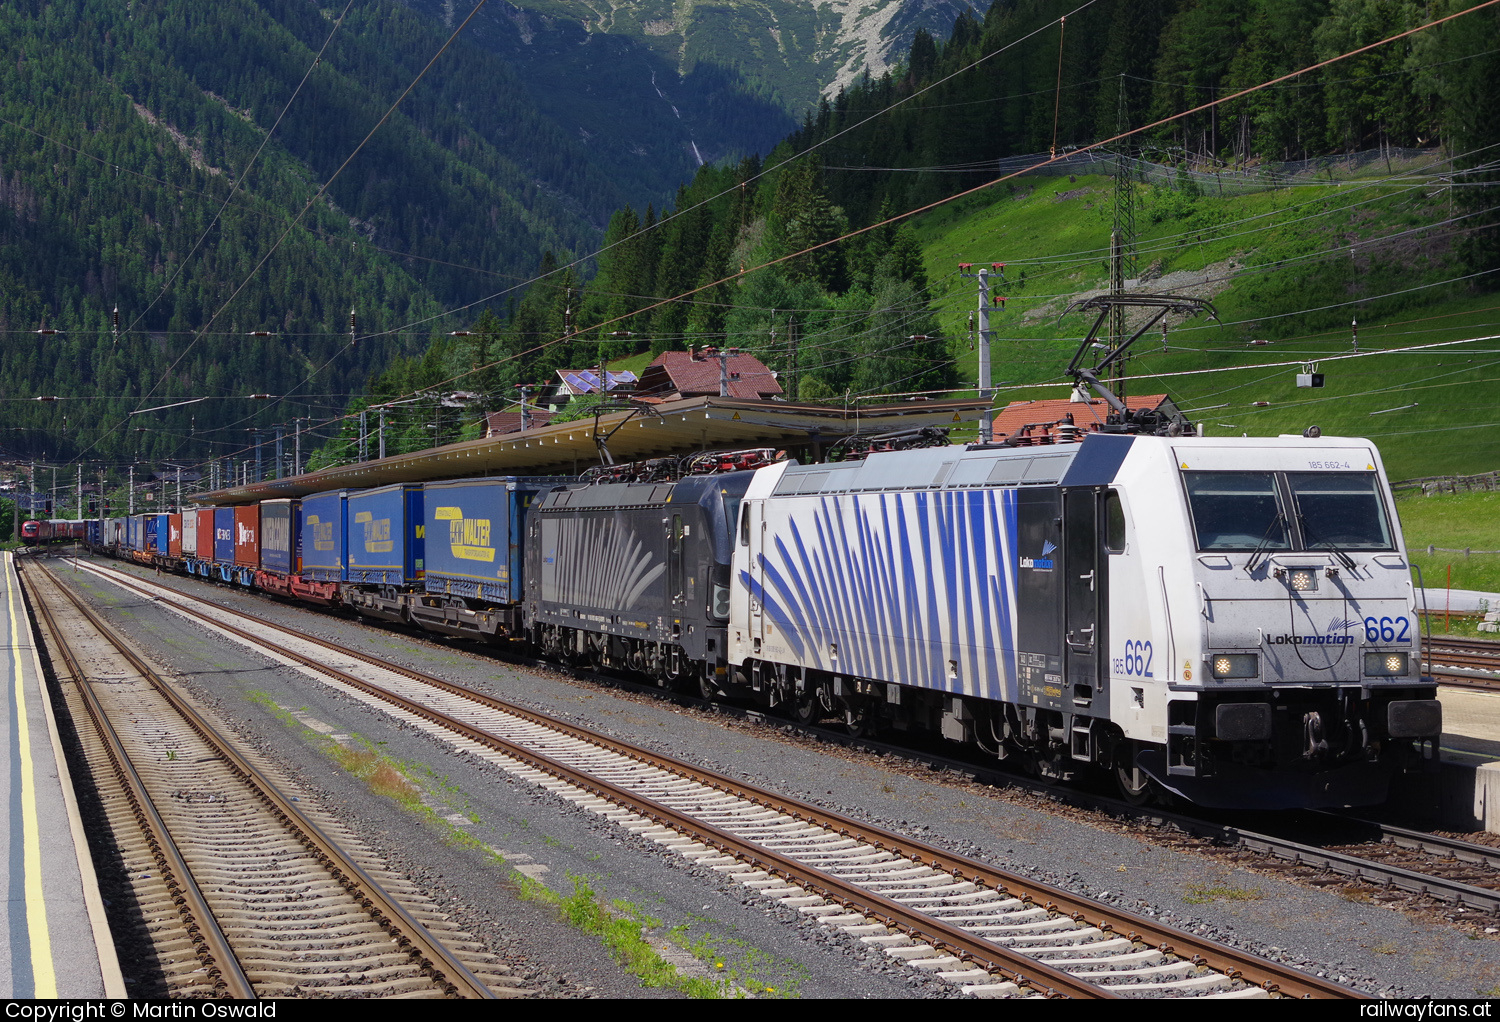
x: 44, y: 977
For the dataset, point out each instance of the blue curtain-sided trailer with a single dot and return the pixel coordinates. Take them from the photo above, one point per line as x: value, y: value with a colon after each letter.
x: 472, y: 547
x: 384, y: 549
x: 384, y: 544
x: 324, y: 540
x: 324, y: 537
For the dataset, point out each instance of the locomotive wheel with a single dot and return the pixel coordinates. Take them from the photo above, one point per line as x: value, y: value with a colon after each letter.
x: 707, y: 688
x: 1136, y: 786
x: 805, y: 707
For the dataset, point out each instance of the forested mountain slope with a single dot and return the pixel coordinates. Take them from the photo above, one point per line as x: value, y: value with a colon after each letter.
x: 127, y: 126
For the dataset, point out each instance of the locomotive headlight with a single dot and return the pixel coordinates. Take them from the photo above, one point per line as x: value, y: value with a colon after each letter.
x: 1302, y: 580
x: 721, y: 602
x: 1234, y: 665
x: 1386, y: 664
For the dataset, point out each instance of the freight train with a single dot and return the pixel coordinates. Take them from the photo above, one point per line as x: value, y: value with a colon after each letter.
x: 1229, y: 620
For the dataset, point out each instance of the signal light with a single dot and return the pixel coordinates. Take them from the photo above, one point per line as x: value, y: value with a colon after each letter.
x: 1309, y: 379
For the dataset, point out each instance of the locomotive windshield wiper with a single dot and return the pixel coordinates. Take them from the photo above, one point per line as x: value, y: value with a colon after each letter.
x: 1265, y: 542
x: 1337, y: 551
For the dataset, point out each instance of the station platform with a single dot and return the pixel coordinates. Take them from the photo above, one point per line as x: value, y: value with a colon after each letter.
x: 54, y: 940
x: 1469, y: 795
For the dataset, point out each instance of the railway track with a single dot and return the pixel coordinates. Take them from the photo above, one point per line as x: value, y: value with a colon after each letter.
x: 242, y: 892
x: 992, y: 932
x: 1465, y: 663
x: 1376, y: 855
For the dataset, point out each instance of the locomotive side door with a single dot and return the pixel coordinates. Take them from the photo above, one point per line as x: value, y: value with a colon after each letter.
x: 1083, y: 587
x: 675, y: 567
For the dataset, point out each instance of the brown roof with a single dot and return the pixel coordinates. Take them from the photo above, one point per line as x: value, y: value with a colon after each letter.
x: 696, y: 374
x: 500, y: 423
x: 1043, y: 415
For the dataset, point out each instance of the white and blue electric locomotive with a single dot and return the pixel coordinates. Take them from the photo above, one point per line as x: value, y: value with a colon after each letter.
x: 1232, y: 620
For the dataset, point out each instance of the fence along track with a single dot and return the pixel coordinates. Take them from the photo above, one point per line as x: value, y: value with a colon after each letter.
x: 413, y: 958
x: 1151, y: 943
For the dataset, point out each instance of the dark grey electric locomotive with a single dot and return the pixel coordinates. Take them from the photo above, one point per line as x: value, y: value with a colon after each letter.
x: 635, y: 575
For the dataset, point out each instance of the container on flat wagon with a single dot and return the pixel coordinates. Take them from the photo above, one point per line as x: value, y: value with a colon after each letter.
x: 134, y: 532
x: 385, y: 535
x: 279, y: 536
x: 174, y: 535
x: 190, y: 533
x: 324, y: 538
x: 247, y: 536
x: 223, y: 535
x: 95, y: 532
x: 206, y: 533
x: 473, y: 535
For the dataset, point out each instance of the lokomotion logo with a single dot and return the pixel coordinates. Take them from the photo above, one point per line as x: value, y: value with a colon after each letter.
x: 1330, y: 637
x: 468, y: 537
x: 1042, y: 563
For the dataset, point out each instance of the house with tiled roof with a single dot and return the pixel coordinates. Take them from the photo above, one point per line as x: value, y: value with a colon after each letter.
x: 501, y: 423
x: 697, y: 373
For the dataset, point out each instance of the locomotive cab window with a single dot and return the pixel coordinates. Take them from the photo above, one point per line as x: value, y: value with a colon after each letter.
x: 1237, y: 511
x: 1270, y: 511
x: 1340, y: 510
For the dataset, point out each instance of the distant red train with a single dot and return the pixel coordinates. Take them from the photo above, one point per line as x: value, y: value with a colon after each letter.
x: 52, y: 530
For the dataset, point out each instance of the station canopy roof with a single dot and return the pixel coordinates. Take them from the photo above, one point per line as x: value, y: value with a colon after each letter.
x: 644, y: 431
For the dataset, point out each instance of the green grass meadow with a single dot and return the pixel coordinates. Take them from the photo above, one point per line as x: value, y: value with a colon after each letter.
x: 1298, y: 267
x: 1454, y: 522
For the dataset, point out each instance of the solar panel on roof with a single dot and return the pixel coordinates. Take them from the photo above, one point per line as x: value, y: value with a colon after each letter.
x: 575, y: 383
x: 589, y: 378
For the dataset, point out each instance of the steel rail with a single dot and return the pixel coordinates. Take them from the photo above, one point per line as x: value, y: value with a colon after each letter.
x: 1464, y: 851
x: 1353, y: 866
x: 1169, y: 940
x: 409, y: 934
x: 202, y: 925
